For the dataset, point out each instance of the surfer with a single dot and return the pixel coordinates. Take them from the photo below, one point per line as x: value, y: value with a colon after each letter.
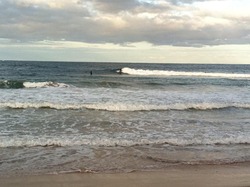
x: 120, y: 71
x: 91, y: 72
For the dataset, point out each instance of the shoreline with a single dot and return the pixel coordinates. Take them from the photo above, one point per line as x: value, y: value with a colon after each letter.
x: 183, y: 175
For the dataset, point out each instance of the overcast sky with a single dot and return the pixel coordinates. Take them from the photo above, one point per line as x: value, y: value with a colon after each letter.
x: 171, y: 31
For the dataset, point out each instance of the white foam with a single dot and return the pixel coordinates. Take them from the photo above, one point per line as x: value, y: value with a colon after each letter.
x: 142, y: 72
x: 43, y: 84
x: 30, y: 141
x: 125, y: 107
x: 177, y: 106
x: 19, y: 105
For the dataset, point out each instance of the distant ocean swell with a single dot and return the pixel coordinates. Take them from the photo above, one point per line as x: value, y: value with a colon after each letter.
x: 30, y: 141
x: 12, y: 84
x: 126, y: 107
x: 145, y: 72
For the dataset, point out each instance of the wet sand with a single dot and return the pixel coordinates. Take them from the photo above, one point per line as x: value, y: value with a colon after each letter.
x: 205, y: 175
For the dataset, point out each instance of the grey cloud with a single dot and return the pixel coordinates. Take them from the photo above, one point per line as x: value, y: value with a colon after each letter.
x: 177, y: 2
x: 31, y: 23
x: 115, y: 6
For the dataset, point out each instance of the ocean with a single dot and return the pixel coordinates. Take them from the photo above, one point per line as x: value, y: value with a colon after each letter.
x: 62, y: 117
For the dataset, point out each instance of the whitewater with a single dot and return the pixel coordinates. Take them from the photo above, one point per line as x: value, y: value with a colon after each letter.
x: 146, y: 72
x: 58, y: 114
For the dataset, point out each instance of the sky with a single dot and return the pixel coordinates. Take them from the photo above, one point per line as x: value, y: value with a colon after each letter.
x: 154, y: 31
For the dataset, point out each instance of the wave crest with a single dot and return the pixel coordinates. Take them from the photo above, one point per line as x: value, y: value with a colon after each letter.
x: 9, y: 84
x: 13, y: 84
x: 143, y: 72
x: 176, y: 106
x: 61, y: 141
x: 116, y: 107
x: 44, y: 84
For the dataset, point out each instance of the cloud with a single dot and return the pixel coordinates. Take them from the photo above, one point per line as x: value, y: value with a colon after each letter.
x: 160, y: 22
x: 114, y: 6
x: 188, y: 1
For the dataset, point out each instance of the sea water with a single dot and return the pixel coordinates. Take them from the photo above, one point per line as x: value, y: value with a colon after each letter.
x: 60, y: 117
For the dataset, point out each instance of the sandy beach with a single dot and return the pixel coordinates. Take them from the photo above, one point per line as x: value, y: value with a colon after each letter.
x: 209, y: 175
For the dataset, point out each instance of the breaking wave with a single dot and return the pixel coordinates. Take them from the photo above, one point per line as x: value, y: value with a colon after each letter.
x: 62, y: 141
x: 10, y: 84
x: 116, y: 107
x: 44, y: 84
x: 143, y: 72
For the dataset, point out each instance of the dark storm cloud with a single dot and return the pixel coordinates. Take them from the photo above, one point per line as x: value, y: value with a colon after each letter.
x: 120, y: 21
